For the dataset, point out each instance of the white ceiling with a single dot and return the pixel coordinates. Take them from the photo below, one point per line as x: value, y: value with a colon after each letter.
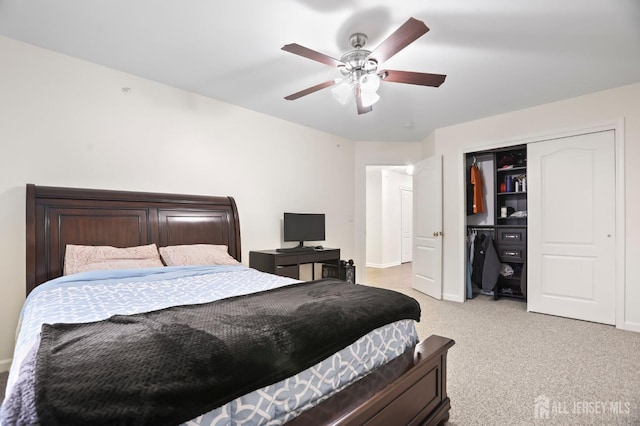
x: 499, y: 55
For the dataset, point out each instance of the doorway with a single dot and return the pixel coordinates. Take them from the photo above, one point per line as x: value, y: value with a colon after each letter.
x: 389, y: 216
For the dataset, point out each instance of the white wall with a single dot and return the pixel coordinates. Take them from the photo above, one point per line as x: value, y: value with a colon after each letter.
x: 374, y: 216
x: 65, y: 122
x: 551, y: 119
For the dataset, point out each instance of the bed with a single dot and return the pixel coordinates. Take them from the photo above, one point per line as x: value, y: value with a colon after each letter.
x: 408, y: 387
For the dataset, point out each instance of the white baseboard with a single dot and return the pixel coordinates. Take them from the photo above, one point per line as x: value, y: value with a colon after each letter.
x: 452, y: 297
x: 632, y: 326
x: 5, y: 365
x: 383, y: 265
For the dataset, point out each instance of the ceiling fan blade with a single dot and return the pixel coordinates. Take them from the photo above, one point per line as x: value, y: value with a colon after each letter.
x: 311, y: 54
x: 310, y: 90
x: 361, y: 108
x: 408, y: 32
x: 409, y: 77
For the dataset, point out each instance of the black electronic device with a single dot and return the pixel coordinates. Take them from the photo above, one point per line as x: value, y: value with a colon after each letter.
x: 303, y: 227
x: 344, y: 270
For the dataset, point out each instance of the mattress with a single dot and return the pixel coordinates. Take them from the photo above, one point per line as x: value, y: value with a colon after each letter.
x: 94, y: 296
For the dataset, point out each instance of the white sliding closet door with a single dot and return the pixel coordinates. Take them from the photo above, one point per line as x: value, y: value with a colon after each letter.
x: 571, y: 227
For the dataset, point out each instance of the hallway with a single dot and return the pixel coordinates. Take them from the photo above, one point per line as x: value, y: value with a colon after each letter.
x: 395, y: 277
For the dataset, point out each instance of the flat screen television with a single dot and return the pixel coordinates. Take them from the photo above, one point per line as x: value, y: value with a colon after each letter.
x: 303, y: 227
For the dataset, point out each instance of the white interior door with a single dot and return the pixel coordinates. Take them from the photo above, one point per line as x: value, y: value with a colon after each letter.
x: 571, y: 227
x: 427, y: 229
x: 406, y: 225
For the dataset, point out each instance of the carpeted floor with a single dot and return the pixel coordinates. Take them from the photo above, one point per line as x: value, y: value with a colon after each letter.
x: 508, y: 366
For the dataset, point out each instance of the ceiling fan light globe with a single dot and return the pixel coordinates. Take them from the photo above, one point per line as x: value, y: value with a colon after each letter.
x: 342, y: 92
x: 369, y: 83
x: 369, y: 98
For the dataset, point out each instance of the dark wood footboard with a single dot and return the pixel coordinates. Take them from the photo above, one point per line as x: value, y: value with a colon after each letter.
x: 411, y: 390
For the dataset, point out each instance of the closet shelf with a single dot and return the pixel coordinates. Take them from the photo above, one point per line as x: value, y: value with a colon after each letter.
x: 511, y: 169
x: 511, y: 278
x: 513, y: 295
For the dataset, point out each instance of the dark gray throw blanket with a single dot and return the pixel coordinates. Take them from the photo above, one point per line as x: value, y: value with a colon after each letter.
x: 169, y: 366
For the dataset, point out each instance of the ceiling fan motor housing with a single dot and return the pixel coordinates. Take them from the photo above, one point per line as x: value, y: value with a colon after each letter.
x: 357, y: 62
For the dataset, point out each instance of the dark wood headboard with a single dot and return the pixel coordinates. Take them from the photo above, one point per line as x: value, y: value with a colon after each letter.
x: 60, y: 216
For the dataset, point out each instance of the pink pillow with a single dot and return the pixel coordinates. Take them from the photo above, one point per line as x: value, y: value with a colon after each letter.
x: 91, y: 258
x: 197, y: 254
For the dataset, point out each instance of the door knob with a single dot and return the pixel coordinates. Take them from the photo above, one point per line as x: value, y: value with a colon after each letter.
x: 435, y: 234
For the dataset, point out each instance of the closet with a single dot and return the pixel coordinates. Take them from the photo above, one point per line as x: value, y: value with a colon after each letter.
x: 496, y: 198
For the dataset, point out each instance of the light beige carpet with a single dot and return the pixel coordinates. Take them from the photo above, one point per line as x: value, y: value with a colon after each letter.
x: 511, y: 367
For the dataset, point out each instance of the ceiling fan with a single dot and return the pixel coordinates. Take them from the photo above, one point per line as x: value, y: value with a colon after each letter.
x: 359, y: 67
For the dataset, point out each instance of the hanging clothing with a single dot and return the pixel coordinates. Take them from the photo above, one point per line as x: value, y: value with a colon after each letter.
x: 478, y: 259
x: 478, y: 192
x: 469, y: 196
x: 470, y: 247
x: 469, y: 193
x: 491, y: 266
x: 469, y: 285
